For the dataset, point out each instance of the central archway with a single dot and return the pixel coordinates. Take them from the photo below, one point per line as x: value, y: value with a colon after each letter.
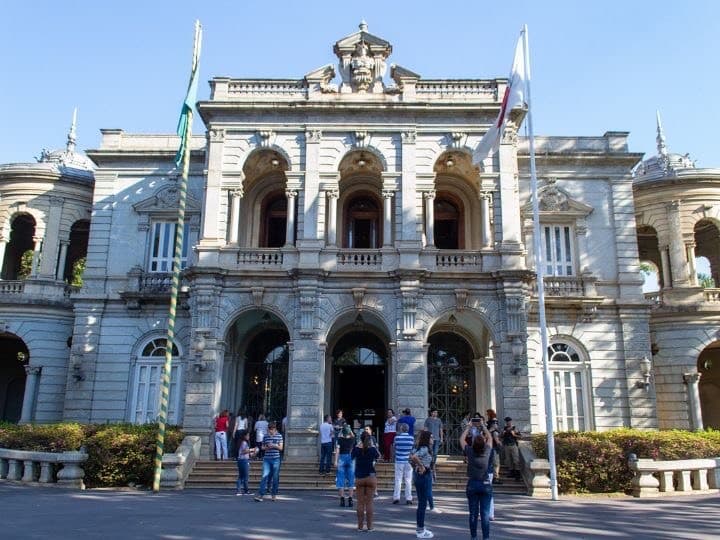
x: 13, y: 360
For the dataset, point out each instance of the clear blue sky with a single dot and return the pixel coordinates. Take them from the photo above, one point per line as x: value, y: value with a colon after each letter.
x: 596, y: 66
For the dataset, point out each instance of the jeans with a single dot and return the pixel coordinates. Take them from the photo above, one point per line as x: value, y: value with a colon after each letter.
x: 403, y: 474
x: 435, y: 447
x: 365, y: 492
x: 271, y: 466
x: 423, y: 488
x: 243, y: 466
x: 479, y: 495
x: 345, y: 472
x: 220, y: 445
x: 326, y: 450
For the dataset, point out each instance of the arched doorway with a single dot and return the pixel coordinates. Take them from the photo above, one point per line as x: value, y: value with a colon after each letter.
x: 14, y: 358
x: 359, y: 362
x: 256, y: 366
x: 709, y: 385
x: 451, y: 383
x: 19, y: 251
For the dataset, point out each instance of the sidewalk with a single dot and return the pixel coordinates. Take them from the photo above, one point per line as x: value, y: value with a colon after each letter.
x: 42, y: 513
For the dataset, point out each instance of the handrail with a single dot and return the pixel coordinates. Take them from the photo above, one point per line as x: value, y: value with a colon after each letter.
x: 22, y: 465
x: 177, y: 467
x: 678, y: 476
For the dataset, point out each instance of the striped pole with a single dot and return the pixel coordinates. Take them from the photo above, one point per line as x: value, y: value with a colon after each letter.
x: 175, y: 286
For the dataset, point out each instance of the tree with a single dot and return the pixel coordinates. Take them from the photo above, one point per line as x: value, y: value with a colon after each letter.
x: 705, y: 281
x: 78, y: 268
x: 26, y: 261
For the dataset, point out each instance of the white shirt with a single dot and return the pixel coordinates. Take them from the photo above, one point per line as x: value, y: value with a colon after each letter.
x: 261, y: 428
x: 326, y: 433
x: 240, y: 423
x: 391, y: 425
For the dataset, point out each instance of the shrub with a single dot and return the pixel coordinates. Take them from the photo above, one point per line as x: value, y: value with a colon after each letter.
x: 596, y: 462
x: 42, y: 437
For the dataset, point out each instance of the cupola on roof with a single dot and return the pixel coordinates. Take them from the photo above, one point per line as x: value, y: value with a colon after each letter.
x: 67, y: 157
x: 664, y: 163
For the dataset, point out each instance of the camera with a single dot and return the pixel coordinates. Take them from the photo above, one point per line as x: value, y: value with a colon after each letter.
x: 476, y: 420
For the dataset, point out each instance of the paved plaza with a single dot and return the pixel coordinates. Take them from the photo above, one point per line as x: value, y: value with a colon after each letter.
x: 30, y: 512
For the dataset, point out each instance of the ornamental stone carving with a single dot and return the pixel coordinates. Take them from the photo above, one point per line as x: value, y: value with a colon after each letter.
x: 553, y: 200
x: 408, y: 137
x: 216, y: 135
x: 361, y: 68
x: 313, y: 136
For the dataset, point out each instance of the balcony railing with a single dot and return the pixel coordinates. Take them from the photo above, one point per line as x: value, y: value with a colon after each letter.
x: 458, y: 260
x: 712, y: 295
x: 261, y: 257
x: 359, y: 258
x: 562, y: 286
x: 12, y: 287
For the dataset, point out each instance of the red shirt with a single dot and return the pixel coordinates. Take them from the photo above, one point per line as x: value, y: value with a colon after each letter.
x: 221, y: 423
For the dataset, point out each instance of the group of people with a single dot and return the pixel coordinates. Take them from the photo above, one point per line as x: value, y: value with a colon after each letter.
x: 231, y: 431
x: 354, y: 457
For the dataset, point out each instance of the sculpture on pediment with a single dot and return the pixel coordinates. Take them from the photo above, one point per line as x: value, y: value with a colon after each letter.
x: 361, y: 67
x: 553, y: 200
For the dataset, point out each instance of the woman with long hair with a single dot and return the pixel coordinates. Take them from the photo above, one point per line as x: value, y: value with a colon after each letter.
x: 365, y: 455
x: 240, y: 424
x: 244, y: 453
x: 421, y: 460
x: 478, y: 451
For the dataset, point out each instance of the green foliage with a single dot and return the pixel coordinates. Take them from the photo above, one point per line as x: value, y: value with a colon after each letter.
x: 118, y: 454
x: 646, y: 268
x: 705, y: 281
x: 26, y: 264
x: 78, y: 269
x: 596, y: 462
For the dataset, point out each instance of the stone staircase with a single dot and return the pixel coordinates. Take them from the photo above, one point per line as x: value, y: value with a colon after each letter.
x: 303, y: 475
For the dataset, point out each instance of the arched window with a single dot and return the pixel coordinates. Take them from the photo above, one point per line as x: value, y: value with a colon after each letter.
x: 77, y: 250
x: 362, y: 222
x: 266, y: 374
x: 570, y: 388
x: 19, y: 250
x: 274, y: 221
x: 144, y: 405
x: 448, y: 227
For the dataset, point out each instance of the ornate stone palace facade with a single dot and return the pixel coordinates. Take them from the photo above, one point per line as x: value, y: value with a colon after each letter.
x: 343, y: 250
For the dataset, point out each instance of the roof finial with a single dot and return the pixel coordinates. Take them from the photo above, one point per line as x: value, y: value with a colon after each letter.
x: 363, y: 26
x: 662, y: 149
x: 71, y: 135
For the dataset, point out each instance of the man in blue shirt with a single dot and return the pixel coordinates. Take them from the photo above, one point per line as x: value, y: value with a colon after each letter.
x: 408, y: 419
x: 272, y: 445
x: 403, y: 471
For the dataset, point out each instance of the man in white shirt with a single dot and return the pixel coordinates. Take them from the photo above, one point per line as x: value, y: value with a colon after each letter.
x: 326, y: 445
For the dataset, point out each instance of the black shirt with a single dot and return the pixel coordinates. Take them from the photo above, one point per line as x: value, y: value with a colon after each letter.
x: 478, y: 464
x: 346, y: 444
x: 365, y: 461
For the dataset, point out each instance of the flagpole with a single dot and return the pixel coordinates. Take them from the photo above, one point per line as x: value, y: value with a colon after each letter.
x: 184, y: 154
x: 549, y: 415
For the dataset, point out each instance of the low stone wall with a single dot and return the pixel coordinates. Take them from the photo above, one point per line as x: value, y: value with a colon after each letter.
x: 63, y: 468
x: 536, y: 472
x: 653, y: 478
x: 176, y: 467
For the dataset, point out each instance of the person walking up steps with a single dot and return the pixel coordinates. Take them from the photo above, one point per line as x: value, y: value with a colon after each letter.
x: 403, y: 472
x: 272, y: 446
x: 221, y: 426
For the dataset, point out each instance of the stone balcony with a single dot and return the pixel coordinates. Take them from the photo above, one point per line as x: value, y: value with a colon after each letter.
x: 36, y: 291
x: 682, y: 298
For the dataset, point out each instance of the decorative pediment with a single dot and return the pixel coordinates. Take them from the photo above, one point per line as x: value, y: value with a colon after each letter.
x: 321, y: 77
x: 165, y: 202
x: 362, y: 61
x: 553, y: 201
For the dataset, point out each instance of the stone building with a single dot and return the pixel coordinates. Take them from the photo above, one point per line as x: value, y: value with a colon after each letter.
x: 344, y: 250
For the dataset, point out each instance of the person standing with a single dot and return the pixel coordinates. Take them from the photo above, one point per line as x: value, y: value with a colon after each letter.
x: 479, y: 454
x: 221, y: 426
x: 272, y: 446
x: 409, y: 419
x: 344, y: 465
x: 240, y: 424
x: 434, y: 425
x: 510, y: 437
x: 389, y: 434
x: 338, y: 424
x: 403, y: 471
x: 365, y: 455
x: 244, y: 453
x: 261, y: 429
x: 326, y: 445
x: 421, y: 460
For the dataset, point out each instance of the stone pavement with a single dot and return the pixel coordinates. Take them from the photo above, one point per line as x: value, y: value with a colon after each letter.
x: 53, y: 513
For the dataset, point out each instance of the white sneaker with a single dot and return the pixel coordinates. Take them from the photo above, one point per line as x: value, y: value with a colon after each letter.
x: 436, y: 510
x: 426, y: 533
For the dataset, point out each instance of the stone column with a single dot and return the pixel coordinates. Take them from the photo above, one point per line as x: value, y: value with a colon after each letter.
x: 60, y: 273
x: 31, y: 383
x: 311, y: 192
x: 409, y: 234
x: 37, y: 243
x: 690, y: 250
x: 290, y: 221
x: 430, y: 218
x: 678, y: 255
x: 692, y: 381
x: 387, y: 214
x: 582, y: 255
x: 485, y: 199
x: 52, y: 239
x: 236, y: 196
x: 3, y: 247
x: 507, y: 220
x: 481, y: 384
x: 332, y: 196
x: 665, y: 262
x: 490, y: 370
x: 212, y: 197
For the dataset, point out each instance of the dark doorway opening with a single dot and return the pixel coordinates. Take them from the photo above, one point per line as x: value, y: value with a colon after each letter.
x: 359, y: 385
x: 13, y: 359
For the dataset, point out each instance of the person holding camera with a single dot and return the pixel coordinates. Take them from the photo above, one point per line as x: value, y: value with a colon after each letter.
x: 479, y: 452
x: 421, y: 461
x: 510, y: 438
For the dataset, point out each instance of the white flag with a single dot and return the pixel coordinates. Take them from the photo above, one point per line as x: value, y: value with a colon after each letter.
x: 514, y: 97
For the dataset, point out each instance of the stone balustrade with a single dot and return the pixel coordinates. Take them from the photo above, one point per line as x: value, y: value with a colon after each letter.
x: 359, y: 258
x: 63, y: 468
x: 12, y: 287
x: 712, y: 295
x: 260, y: 257
x: 536, y: 472
x: 458, y: 260
x: 691, y: 476
x: 176, y: 467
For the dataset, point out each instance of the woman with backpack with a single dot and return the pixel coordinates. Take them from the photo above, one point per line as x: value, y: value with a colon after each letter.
x: 479, y: 453
x: 365, y: 456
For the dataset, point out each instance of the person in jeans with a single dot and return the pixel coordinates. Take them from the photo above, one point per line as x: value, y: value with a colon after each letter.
x: 244, y: 453
x: 479, y: 453
x: 434, y: 425
x: 221, y: 427
x: 403, y: 444
x: 345, y: 466
x: 272, y: 446
x: 421, y: 461
x: 326, y: 445
x: 365, y: 454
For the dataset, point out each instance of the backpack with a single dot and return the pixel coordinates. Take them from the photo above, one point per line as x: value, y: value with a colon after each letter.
x: 488, y: 466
